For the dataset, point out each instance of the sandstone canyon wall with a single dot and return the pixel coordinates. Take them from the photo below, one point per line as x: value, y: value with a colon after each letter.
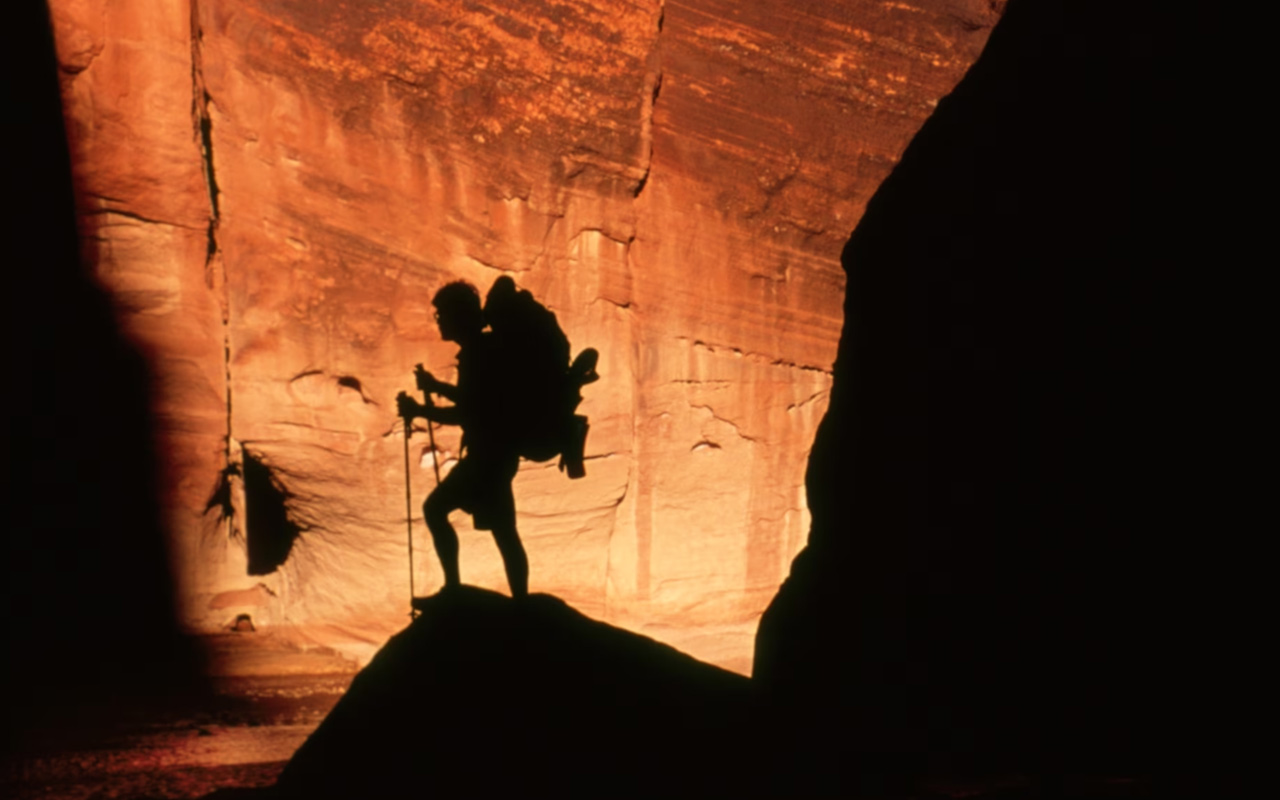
x: 271, y: 191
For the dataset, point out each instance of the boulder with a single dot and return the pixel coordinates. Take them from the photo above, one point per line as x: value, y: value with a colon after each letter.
x: 482, y: 693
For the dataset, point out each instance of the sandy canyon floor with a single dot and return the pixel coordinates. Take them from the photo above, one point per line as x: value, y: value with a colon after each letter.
x: 264, y: 699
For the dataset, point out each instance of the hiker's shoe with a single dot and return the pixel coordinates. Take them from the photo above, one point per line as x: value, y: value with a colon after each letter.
x: 422, y: 603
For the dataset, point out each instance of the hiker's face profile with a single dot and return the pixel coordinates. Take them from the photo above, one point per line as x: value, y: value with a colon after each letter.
x: 458, y: 312
x: 448, y: 324
x: 454, y: 323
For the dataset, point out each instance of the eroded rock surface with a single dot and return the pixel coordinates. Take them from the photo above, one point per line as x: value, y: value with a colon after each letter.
x: 272, y: 191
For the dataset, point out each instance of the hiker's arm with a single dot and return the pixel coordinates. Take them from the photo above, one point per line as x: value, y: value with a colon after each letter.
x: 446, y: 390
x: 428, y: 383
x: 445, y: 416
x: 411, y: 409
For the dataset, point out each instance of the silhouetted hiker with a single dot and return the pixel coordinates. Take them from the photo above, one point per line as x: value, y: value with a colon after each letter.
x: 515, y: 396
x: 480, y: 483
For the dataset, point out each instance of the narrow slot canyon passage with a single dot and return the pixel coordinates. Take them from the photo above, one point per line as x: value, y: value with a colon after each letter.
x: 829, y: 263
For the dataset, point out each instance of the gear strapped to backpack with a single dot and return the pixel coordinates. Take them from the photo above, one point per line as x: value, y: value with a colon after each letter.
x: 535, y: 354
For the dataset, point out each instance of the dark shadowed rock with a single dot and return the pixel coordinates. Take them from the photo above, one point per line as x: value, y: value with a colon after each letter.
x: 90, y: 631
x: 484, y: 694
x: 991, y: 486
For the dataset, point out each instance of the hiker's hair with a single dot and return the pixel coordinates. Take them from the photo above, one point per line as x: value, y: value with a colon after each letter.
x: 460, y: 296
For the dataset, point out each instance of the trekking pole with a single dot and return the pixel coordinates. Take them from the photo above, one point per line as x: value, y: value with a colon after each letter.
x: 408, y: 507
x: 431, y: 435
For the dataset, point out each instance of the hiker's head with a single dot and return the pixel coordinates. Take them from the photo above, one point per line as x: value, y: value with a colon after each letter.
x: 499, y: 301
x: 458, y: 311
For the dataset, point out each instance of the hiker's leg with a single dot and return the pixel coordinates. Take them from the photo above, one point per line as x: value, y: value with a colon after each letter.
x: 513, y: 557
x: 502, y: 519
x: 436, y: 511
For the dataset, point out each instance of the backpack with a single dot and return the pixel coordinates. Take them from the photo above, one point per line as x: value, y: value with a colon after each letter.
x: 545, y: 387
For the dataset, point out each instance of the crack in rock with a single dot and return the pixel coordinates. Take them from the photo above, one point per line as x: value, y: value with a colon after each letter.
x: 728, y: 422
x: 648, y: 102
x: 761, y: 358
x: 200, y: 101
x: 136, y: 217
x: 808, y: 400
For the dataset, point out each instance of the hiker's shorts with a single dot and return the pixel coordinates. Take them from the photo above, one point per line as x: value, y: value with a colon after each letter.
x: 481, y: 486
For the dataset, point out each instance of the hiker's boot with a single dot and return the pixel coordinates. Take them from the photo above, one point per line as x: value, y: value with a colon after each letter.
x: 448, y: 591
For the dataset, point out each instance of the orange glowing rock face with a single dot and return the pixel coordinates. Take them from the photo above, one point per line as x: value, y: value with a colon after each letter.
x: 273, y: 192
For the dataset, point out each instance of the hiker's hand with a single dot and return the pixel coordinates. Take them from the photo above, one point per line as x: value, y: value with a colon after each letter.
x: 426, y: 381
x: 407, y: 406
